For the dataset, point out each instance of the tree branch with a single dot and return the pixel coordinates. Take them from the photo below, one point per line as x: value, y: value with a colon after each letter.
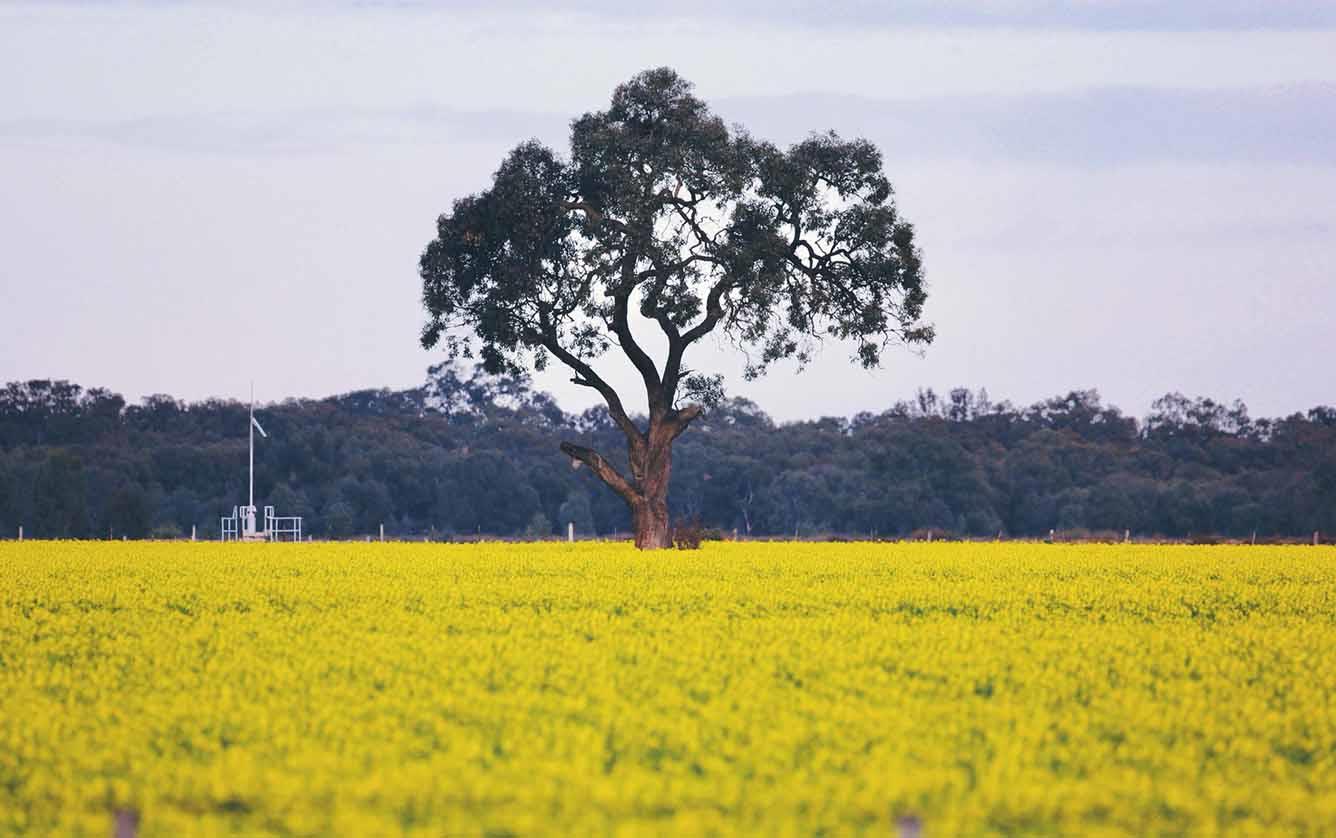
x: 594, y: 214
x: 588, y: 378
x: 643, y: 363
x: 686, y: 416
x: 603, y: 470
x: 678, y: 342
x: 714, y: 312
x: 687, y: 212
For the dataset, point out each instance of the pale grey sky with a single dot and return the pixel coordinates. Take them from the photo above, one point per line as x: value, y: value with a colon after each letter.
x: 1108, y: 194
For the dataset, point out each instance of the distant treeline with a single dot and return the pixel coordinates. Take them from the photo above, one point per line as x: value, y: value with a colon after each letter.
x: 476, y: 454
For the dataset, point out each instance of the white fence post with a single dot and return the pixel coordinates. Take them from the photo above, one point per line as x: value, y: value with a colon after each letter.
x: 570, y: 531
x: 382, y: 532
x: 192, y: 532
x: 20, y: 532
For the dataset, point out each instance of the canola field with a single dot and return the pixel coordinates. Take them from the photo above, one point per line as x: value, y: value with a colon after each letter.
x: 371, y: 689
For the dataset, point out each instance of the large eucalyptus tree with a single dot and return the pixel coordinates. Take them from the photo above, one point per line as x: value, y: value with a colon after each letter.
x: 662, y: 212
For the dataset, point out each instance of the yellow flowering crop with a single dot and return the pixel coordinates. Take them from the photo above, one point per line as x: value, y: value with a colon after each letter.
x: 366, y: 689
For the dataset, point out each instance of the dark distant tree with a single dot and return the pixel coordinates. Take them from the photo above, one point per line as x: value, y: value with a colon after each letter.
x: 101, y: 413
x: 662, y: 211
x: 960, y: 405
x: 464, y: 455
x: 1323, y: 415
x: 156, y: 413
x: 927, y: 404
x: 10, y: 514
x: 339, y: 519
x: 60, y: 497
x: 128, y: 512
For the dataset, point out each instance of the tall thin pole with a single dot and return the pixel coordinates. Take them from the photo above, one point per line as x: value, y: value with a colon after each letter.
x: 251, y: 427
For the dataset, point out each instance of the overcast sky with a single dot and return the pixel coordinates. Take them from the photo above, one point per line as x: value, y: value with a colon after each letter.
x: 1138, y: 197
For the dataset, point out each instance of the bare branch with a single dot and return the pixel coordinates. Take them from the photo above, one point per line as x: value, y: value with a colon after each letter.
x: 643, y: 363
x: 595, y: 215
x: 585, y: 376
x: 687, y: 415
x: 714, y: 312
x: 603, y: 469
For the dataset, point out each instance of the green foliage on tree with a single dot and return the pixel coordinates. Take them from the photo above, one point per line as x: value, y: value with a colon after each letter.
x: 662, y: 214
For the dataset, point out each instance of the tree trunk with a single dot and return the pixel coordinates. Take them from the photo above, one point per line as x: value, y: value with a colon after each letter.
x: 652, y: 465
x: 650, y: 520
x: 651, y: 459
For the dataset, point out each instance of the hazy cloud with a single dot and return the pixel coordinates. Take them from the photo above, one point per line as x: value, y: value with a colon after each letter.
x: 1156, y: 15
x: 291, y: 132
x: 1090, y: 127
x: 1292, y: 124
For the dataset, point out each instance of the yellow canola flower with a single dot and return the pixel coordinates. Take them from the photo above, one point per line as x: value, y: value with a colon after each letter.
x: 785, y: 689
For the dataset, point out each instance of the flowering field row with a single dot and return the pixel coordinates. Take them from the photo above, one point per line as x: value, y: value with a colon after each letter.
x: 363, y: 689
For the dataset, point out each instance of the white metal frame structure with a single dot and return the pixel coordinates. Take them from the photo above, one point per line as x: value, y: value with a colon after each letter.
x: 230, y: 526
x: 241, y: 525
x: 288, y: 528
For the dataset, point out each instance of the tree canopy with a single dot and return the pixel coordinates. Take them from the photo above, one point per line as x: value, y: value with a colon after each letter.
x: 662, y: 211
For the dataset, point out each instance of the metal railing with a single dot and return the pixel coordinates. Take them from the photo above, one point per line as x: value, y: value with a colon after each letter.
x: 276, y: 528
x: 287, y: 528
x: 230, y: 528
